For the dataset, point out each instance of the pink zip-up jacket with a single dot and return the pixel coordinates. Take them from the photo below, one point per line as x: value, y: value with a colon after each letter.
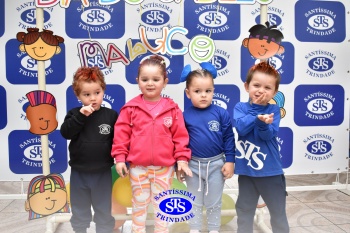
x: 141, y: 139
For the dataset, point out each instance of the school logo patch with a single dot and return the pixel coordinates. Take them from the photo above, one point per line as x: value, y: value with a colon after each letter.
x: 168, y: 121
x: 105, y: 129
x: 214, y: 126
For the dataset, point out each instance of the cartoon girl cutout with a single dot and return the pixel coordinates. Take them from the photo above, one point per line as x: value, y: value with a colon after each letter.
x: 41, y: 113
x: 264, y: 41
x: 40, y: 46
x: 46, y: 195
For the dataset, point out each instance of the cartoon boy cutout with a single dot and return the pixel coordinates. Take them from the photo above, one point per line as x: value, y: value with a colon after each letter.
x: 279, y: 99
x: 46, y: 195
x: 40, y: 46
x: 264, y: 41
x: 41, y: 112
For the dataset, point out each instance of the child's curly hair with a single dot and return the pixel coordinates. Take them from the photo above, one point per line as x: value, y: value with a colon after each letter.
x: 87, y: 74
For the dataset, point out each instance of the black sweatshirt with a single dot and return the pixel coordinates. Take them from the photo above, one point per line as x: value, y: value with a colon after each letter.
x: 91, y: 139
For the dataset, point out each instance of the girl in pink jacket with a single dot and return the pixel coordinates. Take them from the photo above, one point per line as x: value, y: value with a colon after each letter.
x: 150, y: 135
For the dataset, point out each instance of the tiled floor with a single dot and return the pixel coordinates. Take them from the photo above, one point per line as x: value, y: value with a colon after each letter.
x: 320, y: 211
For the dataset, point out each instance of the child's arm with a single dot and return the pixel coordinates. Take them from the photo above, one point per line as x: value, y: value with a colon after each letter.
x: 122, y: 134
x: 73, y: 123
x: 229, y: 146
x: 244, y: 119
x: 268, y: 124
x: 180, y: 137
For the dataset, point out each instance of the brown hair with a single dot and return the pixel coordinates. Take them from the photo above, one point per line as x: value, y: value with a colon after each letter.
x: 33, y: 35
x: 154, y: 60
x: 263, y: 67
x: 87, y: 74
x: 202, y: 73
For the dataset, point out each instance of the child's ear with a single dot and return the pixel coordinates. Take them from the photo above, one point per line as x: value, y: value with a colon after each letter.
x: 187, y: 93
x: 246, y: 85
x: 166, y: 81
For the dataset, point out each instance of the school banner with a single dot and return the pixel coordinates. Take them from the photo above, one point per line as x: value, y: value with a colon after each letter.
x: 117, y: 35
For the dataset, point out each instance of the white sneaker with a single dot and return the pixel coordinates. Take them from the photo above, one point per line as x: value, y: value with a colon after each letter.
x: 213, y: 232
x: 194, y: 231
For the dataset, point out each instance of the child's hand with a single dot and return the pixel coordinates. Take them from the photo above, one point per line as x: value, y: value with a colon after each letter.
x: 87, y: 110
x: 261, y: 100
x: 267, y: 118
x: 228, y: 170
x: 121, y: 169
x: 182, y: 170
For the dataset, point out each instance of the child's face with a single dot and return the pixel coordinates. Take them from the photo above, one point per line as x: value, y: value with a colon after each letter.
x: 151, y: 82
x: 91, y: 93
x: 262, y: 88
x: 201, y: 91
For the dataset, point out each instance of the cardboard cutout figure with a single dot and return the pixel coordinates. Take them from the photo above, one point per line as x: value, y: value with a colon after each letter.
x: 40, y: 46
x: 41, y: 113
x: 264, y: 41
x: 46, y: 195
x: 279, y: 99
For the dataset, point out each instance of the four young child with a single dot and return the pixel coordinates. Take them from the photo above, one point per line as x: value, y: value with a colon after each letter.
x: 152, y: 138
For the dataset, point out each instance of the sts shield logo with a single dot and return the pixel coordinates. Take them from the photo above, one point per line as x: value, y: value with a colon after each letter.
x: 320, y: 21
x: 25, y: 153
x: 319, y: 105
x: 22, y: 69
x: 27, y: 14
x: 221, y: 24
x: 318, y: 147
x: 175, y: 205
x: 95, y: 21
x: 320, y: 63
